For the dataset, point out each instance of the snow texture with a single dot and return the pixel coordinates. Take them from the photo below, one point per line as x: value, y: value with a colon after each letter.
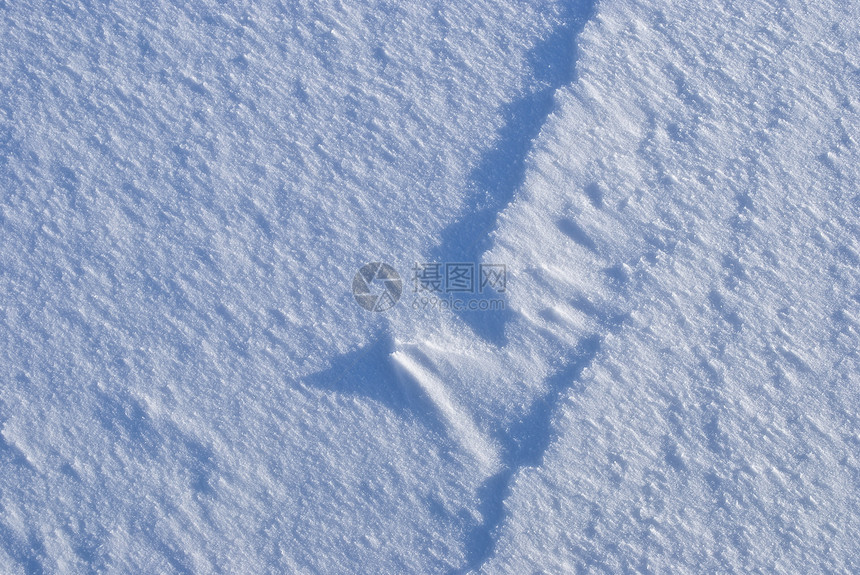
x: 188, y: 385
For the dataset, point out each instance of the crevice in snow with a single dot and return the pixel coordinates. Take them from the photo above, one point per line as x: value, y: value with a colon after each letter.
x: 501, y: 170
x: 458, y: 420
x: 524, y: 445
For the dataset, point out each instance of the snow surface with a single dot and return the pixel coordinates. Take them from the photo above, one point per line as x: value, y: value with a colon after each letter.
x: 188, y: 189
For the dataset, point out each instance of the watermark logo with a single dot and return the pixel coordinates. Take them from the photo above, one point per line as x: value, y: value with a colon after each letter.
x: 377, y: 286
x: 459, y: 277
x: 458, y: 286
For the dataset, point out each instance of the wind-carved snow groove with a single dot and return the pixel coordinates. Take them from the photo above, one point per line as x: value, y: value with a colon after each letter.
x: 501, y: 170
x: 459, y: 422
x: 525, y: 444
x: 394, y: 374
x: 498, y: 176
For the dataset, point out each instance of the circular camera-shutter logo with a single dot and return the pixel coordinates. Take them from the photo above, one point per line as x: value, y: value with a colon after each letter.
x: 377, y: 287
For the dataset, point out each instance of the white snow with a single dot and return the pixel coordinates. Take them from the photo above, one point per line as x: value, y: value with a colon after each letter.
x: 189, y: 385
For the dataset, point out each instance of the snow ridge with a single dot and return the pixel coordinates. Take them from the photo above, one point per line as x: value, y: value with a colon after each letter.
x: 526, y: 442
x: 501, y: 170
x: 457, y: 419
